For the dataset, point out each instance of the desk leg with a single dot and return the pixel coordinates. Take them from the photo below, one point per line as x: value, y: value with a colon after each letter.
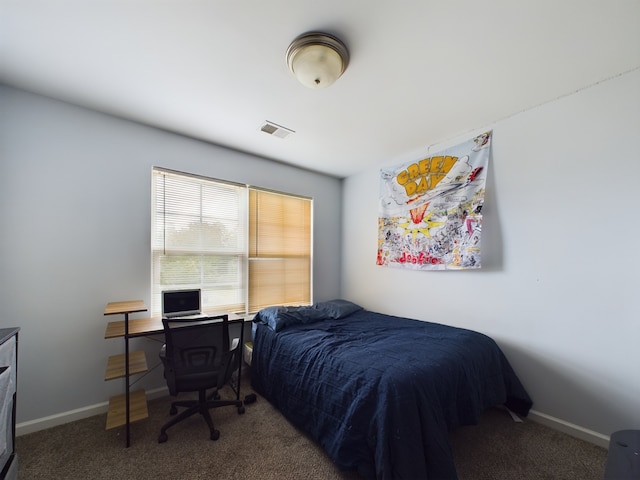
x: 241, y: 351
x: 126, y: 377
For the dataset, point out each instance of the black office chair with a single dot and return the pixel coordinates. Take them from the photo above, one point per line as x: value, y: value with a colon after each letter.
x: 197, y: 357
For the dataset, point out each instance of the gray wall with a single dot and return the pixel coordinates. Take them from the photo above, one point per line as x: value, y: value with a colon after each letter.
x: 559, y: 286
x: 75, y: 219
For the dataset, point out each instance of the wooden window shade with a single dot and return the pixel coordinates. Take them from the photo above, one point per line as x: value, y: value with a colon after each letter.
x: 279, y: 249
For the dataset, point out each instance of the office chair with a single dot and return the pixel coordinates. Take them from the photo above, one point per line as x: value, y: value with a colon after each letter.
x: 197, y: 357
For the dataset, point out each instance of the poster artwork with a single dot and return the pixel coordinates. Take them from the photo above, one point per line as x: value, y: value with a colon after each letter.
x: 430, y: 213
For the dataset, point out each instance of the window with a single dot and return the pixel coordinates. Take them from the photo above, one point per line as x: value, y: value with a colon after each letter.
x: 244, y: 247
x: 279, y: 249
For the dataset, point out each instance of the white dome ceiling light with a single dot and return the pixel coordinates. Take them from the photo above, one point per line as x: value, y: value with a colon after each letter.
x: 317, y: 59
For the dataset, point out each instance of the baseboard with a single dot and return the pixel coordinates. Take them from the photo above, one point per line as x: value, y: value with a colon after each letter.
x: 570, y: 429
x: 101, y: 408
x: 77, y: 414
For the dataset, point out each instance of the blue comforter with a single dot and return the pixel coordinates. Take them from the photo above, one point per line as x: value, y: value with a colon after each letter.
x: 380, y: 393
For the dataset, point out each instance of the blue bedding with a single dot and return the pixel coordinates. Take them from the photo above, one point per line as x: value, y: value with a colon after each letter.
x: 381, y: 393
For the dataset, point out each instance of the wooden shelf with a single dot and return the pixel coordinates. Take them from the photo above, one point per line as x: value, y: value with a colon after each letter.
x: 129, y: 306
x: 138, y: 327
x: 115, y: 365
x: 132, y: 406
x: 116, y: 414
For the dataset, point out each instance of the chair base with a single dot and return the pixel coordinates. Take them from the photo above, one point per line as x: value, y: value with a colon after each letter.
x: 201, y: 406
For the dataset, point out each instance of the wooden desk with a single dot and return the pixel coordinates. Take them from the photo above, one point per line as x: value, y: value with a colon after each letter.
x: 142, y: 327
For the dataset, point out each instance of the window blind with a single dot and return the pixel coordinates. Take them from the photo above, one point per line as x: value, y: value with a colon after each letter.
x: 279, y: 249
x: 246, y: 248
x: 199, y: 239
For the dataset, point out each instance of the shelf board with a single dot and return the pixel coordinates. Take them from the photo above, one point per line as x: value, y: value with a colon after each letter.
x: 115, y: 365
x: 116, y: 415
x: 137, y: 327
x: 129, y: 306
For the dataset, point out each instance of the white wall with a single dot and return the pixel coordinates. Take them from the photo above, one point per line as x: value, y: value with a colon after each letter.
x: 559, y: 288
x: 75, y: 235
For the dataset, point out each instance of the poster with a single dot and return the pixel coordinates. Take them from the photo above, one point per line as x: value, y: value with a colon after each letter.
x: 430, y: 212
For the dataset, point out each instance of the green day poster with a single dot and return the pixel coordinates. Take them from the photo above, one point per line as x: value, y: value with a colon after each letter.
x: 430, y: 212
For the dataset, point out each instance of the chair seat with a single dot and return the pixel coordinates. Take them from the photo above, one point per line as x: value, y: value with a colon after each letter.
x: 196, y: 381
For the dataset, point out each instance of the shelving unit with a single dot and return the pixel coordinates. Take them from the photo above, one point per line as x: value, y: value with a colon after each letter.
x: 131, y: 406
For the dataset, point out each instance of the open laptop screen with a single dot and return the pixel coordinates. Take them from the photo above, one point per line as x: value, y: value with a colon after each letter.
x: 180, y: 303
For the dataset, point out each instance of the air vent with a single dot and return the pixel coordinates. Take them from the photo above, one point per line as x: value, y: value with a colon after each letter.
x: 276, y: 130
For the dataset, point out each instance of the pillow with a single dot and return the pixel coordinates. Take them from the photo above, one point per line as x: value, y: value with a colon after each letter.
x: 268, y: 316
x: 280, y: 317
x: 337, y: 308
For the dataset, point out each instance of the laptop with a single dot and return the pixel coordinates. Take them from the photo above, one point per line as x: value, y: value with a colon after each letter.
x: 182, y: 304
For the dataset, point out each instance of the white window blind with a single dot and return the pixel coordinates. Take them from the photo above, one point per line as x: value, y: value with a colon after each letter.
x: 246, y: 248
x: 199, y: 239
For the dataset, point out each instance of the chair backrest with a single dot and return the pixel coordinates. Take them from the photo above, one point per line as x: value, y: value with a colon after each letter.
x: 197, y: 354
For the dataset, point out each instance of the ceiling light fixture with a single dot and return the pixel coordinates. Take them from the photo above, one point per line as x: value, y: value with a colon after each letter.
x: 317, y: 59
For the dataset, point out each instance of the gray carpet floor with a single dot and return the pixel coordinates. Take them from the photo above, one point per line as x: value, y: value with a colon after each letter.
x: 261, y: 444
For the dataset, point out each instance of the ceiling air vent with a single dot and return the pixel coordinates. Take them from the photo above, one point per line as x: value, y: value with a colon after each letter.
x: 276, y: 130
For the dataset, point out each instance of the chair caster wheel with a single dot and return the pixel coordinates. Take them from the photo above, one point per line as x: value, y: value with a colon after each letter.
x: 163, y: 437
x: 240, y: 410
x: 173, y: 410
x: 215, y: 434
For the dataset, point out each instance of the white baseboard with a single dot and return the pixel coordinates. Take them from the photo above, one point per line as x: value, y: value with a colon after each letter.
x: 570, y: 429
x: 101, y: 408
x: 77, y: 414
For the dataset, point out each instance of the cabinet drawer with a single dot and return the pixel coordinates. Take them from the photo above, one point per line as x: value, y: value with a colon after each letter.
x: 8, y: 358
x: 8, y: 386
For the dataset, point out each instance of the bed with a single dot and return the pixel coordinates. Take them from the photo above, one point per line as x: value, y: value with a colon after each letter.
x: 379, y: 393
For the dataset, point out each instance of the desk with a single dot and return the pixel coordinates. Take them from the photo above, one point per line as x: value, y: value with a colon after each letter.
x: 143, y: 327
x: 132, y: 406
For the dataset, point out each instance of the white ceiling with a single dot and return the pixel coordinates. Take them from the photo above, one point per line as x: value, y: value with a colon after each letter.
x: 421, y: 71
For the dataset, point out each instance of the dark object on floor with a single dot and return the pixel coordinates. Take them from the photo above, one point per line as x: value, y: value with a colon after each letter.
x: 623, y: 459
x: 250, y: 398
